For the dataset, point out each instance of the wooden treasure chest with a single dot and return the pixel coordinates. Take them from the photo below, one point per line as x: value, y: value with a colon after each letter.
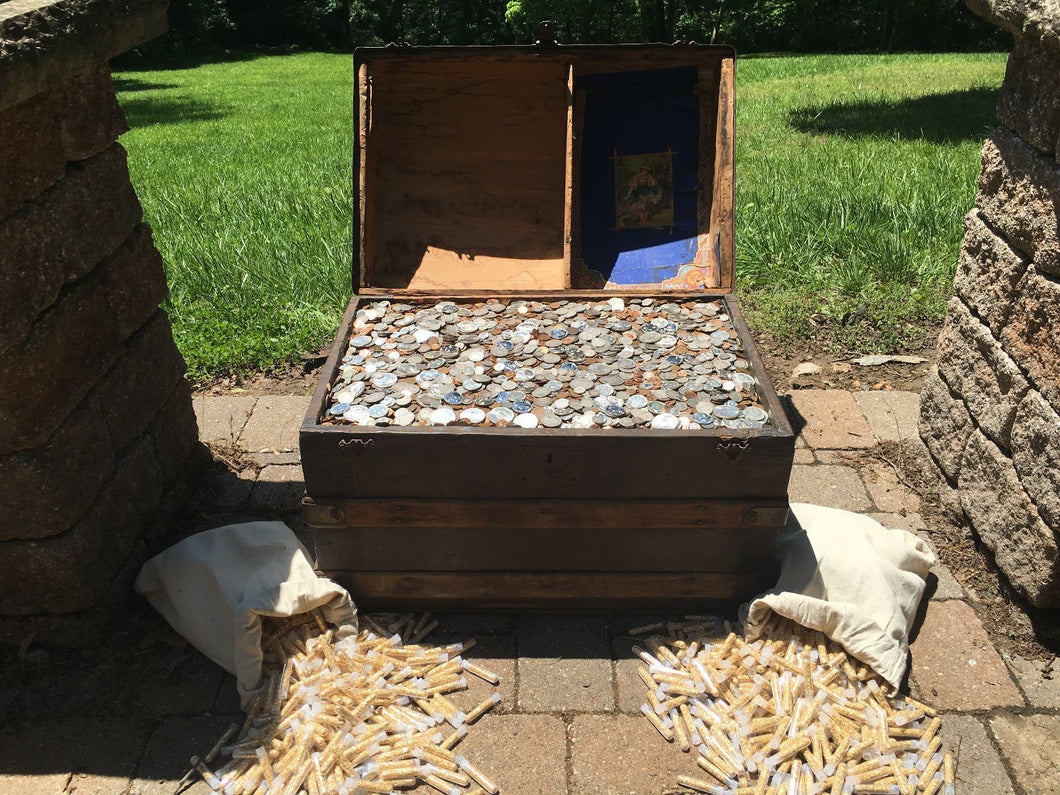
x: 543, y: 393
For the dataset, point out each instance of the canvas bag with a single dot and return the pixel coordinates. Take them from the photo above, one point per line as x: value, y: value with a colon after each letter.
x: 214, y: 588
x: 850, y: 577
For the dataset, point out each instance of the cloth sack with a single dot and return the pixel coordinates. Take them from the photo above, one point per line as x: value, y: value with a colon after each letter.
x: 850, y: 577
x: 214, y: 587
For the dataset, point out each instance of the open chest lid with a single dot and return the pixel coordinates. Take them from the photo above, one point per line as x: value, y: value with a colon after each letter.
x: 544, y: 167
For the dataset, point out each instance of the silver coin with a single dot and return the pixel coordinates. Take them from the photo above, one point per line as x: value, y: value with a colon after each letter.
x: 551, y: 421
x: 500, y: 414
x: 754, y: 414
x: 384, y: 379
x: 726, y: 411
x: 442, y: 416
x: 361, y: 341
x: 637, y: 401
x: 525, y: 420
x: 666, y: 422
x: 473, y: 415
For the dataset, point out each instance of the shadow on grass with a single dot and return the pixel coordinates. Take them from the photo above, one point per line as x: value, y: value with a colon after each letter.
x: 941, y: 118
x: 128, y: 85
x: 154, y: 60
x: 150, y: 111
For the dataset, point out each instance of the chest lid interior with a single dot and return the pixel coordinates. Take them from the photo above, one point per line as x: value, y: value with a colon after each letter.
x: 544, y: 167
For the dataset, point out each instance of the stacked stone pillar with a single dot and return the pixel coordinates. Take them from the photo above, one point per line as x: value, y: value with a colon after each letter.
x: 990, y: 412
x: 98, y: 440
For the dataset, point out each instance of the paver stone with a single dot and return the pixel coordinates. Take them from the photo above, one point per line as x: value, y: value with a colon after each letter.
x: 1031, y: 743
x: 954, y: 663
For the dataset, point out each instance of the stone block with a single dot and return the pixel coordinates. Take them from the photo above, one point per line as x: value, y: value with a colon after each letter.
x: 522, y: 754
x: 73, y: 121
x: 955, y: 666
x: 46, y: 43
x: 175, y: 434
x: 135, y: 279
x: 1019, y: 197
x: 189, y: 689
x: 495, y: 654
x: 1031, y: 743
x: 945, y: 424
x: 61, y: 236
x: 629, y: 687
x: 279, y: 489
x: 891, y: 415
x: 979, y: 769
x: 832, y: 486
x: 274, y: 424
x: 72, y: 571
x: 90, y: 755
x: 66, y: 353
x: 624, y: 754
x: 89, y: 116
x: 564, y: 664
x: 31, y: 158
x: 886, y: 491
x: 1036, y: 455
x: 165, y: 759
x: 45, y: 490
x: 565, y: 685
x: 134, y: 389
x: 1030, y: 336
x: 83, y: 628
x: 1004, y: 518
x: 1029, y: 101
x: 222, y: 417
x: 832, y: 419
x: 977, y: 369
x: 1039, y: 680
x: 1022, y: 18
x: 988, y: 271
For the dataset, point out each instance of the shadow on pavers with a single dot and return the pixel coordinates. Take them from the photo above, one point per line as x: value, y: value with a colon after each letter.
x: 798, y: 422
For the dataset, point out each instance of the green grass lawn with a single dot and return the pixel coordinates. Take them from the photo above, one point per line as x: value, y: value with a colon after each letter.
x: 853, y: 173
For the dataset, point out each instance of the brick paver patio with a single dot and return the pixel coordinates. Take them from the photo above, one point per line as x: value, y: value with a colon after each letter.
x: 569, y: 721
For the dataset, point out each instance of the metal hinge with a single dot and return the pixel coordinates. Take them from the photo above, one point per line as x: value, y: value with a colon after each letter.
x: 734, y: 447
x: 357, y: 442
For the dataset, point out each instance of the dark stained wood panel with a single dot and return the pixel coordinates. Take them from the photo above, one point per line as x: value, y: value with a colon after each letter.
x: 550, y: 514
x: 508, y: 547
x: 559, y: 590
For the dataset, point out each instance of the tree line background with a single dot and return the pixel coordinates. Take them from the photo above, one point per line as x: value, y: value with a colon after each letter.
x: 750, y: 25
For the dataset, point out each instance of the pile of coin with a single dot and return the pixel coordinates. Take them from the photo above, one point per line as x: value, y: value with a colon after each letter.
x: 622, y: 363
